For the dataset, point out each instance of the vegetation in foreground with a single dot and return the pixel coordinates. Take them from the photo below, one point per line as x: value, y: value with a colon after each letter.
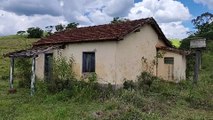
x: 160, y: 101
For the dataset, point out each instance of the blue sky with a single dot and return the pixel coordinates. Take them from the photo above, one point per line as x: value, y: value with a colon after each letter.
x: 173, y: 16
x: 195, y: 9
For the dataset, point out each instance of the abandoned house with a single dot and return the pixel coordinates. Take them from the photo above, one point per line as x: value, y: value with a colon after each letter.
x: 114, y: 52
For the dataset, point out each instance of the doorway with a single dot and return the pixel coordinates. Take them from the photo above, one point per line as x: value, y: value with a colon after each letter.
x: 48, y: 66
x: 169, y: 66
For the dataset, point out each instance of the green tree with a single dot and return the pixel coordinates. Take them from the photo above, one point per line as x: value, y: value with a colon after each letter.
x: 118, y: 20
x: 49, y: 29
x: 72, y: 25
x: 35, y: 32
x: 204, y: 25
x: 21, y: 32
x: 59, y: 27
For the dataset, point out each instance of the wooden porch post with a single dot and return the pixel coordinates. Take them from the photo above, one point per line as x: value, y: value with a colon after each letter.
x: 197, y: 65
x: 11, y: 72
x: 33, y: 76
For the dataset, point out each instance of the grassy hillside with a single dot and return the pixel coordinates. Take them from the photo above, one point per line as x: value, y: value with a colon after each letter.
x: 10, y: 44
x: 162, y: 101
x: 176, y: 42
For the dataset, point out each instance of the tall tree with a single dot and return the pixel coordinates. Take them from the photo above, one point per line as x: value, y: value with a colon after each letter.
x: 49, y: 29
x: 35, y: 32
x: 59, y: 27
x: 204, y: 25
x: 72, y: 25
x: 118, y: 20
x: 21, y: 32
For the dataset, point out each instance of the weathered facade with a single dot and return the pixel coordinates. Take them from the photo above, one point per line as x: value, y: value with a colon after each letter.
x: 171, y: 66
x: 116, y: 60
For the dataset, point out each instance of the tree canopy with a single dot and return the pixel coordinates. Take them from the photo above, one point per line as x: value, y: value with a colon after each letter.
x: 49, y: 29
x: 72, y: 25
x: 21, y: 32
x: 59, y: 27
x: 117, y: 20
x: 204, y: 29
x: 35, y: 32
x: 204, y: 25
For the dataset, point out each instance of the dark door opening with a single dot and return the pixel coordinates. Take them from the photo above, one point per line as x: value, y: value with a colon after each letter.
x: 48, y: 65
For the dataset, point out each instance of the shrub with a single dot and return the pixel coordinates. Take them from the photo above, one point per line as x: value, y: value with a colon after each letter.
x: 129, y: 84
x: 35, y: 32
x: 23, y: 72
x: 63, y: 79
x: 62, y: 76
x: 5, y: 77
x: 104, y: 93
x: 92, y: 77
x: 145, y: 80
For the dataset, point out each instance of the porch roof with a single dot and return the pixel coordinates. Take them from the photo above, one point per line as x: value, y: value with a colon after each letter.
x: 31, y: 52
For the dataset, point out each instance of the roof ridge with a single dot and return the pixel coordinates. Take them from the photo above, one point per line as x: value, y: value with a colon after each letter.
x: 104, y: 32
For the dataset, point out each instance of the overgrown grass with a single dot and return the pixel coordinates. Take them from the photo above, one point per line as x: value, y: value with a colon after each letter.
x: 162, y: 101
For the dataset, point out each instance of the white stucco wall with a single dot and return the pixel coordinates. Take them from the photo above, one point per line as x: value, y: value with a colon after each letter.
x: 129, y: 62
x: 179, y: 66
x: 104, y: 58
x: 117, y: 60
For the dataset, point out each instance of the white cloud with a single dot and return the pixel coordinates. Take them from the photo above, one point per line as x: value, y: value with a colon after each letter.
x: 11, y: 23
x: 174, y: 30
x: 161, y: 10
x: 97, y: 17
x: 31, y: 7
x: 90, y: 12
x: 101, y: 9
x: 208, y: 3
x: 168, y: 13
x: 118, y: 8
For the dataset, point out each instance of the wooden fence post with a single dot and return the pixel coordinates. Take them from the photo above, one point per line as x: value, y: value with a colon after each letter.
x: 197, y: 65
x: 33, y: 76
x: 11, y: 72
x: 198, y: 45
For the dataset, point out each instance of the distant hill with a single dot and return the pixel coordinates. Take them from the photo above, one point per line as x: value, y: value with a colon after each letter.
x: 176, y: 42
x: 9, y: 44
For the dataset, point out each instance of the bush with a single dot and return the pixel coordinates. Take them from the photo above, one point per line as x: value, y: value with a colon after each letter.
x: 23, y: 72
x: 62, y: 76
x: 63, y: 79
x: 129, y: 85
x: 35, y: 32
x: 5, y: 77
x: 145, y: 80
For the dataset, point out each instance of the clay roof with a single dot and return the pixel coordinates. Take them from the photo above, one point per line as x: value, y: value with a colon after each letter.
x: 32, y: 51
x: 107, y: 32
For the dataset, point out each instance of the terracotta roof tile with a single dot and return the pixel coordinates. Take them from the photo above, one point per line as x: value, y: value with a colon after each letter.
x: 107, y: 32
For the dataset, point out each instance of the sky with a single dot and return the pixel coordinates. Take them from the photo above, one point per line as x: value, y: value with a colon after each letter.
x: 173, y: 16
